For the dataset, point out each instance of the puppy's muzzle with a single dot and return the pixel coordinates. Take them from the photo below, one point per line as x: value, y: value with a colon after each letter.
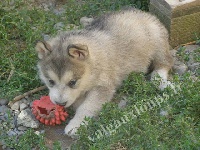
x: 62, y: 104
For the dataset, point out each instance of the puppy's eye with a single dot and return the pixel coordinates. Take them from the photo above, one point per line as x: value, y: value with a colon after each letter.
x: 51, y: 82
x: 72, y: 83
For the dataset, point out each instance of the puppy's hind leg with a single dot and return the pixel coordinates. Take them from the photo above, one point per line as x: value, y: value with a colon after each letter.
x: 162, y: 64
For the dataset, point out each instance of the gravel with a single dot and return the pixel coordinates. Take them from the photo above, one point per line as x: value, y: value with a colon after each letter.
x: 192, y: 65
x: 3, y: 101
x: 59, y: 26
x: 15, y: 121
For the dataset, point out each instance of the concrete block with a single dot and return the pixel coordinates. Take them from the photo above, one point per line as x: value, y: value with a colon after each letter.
x: 180, y: 17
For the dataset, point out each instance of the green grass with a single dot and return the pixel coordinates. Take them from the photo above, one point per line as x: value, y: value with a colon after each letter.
x: 21, y: 26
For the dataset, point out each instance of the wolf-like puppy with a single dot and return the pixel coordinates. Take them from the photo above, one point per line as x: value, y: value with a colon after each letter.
x: 83, y: 68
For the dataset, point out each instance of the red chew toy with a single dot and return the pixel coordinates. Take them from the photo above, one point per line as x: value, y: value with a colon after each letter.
x: 47, y: 112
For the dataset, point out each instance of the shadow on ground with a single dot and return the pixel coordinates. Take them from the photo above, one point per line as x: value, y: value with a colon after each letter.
x: 56, y: 133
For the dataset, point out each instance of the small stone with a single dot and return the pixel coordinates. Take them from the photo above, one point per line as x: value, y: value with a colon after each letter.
x: 59, y: 11
x: 37, y: 132
x: 20, y: 132
x: 22, y: 128
x: 4, y: 147
x: 4, y: 109
x: 23, y: 106
x: 191, y: 48
x: 27, y: 119
x: 3, y: 101
x: 12, y: 2
x: 15, y: 106
x: 31, y: 103
x: 193, y: 67
x: 191, y: 60
x: 25, y: 101
x: 179, y: 67
x: 11, y: 133
x: 46, y: 37
x: 16, y: 112
x: 44, y: 6
x: 163, y: 113
x: 42, y: 131
x: 2, y: 118
x: 59, y: 26
x: 122, y: 103
x: 26, y: 97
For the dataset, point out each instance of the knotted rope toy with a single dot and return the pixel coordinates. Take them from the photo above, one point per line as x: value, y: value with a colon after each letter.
x: 47, y: 112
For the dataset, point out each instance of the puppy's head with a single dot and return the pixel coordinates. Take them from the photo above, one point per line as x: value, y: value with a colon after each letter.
x: 63, y: 68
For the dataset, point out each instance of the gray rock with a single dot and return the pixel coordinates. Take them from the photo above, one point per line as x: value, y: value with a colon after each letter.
x: 37, y: 132
x: 193, y: 67
x: 59, y: 11
x: 164, y: 113
x: 2, y: 118
x: 16, y: 112
x: 190, y: 48
x: 59, y: 26
x: 11, y: 133
x: 25, y: 101
x: 31, y: 103
x: 12, y: 2
x: 23, y: 106
x: 46, y: 37
x: 4, y: 147
x: 27, y: 119
x: 12, y: 125
x: 22, y: 128
x: 15, y: 106
x: 179, y: 67
x: 122, y: 103
x: 3, y: 101
x: 20, y: 132
x: 45, y: 7
x: 191, y: 59
x: 4, y: 109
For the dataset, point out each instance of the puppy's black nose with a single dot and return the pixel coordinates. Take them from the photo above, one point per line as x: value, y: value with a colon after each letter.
x: 62, y: 104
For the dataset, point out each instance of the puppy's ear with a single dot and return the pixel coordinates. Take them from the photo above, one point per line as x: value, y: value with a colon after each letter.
x: 78, y: 51
x: 43, y: 49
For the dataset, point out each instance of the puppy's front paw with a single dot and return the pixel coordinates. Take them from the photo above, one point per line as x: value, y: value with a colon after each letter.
x: 71, y: 130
